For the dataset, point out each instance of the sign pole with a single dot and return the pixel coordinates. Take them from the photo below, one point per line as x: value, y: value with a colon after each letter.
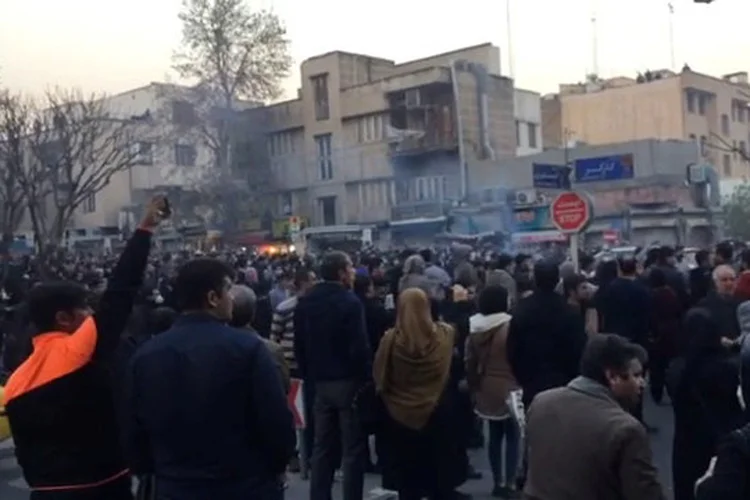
x: 571, y: 213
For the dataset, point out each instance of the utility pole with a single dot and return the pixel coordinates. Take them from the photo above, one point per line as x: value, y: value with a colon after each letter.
x: 594, y: 47
x: 671, y: 36
x: 508, y: 18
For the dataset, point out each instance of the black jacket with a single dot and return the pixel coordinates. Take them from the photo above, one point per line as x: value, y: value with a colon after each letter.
x: 545, y: 343
x: 207, y: 411
x: 60, y: 400
x: 330, y: 335
x: 731, y: 475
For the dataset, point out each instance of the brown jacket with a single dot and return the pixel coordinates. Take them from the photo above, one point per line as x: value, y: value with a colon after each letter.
x: 584, y: 445
x: 488, y: 372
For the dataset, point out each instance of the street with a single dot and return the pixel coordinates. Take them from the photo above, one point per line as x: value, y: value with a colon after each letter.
x: 12, y: 486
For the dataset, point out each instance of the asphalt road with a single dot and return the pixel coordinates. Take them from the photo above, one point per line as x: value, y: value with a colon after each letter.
x: 13, y: 487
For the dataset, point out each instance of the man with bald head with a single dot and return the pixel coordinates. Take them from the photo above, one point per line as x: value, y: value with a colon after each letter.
x: 722, y: 304
x: 244, y: 301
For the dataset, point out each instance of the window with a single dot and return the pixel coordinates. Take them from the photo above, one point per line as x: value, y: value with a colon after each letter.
x: 532, y: 134
x: 724, y: 124
x: 325, y: 162
x: 320, y: 95
x: 327, y: 207
x: 184, y: 155
x: 144, y: 153
x: 89, y: 204
x: 702, y: 99
x: 518, y: 133
x: 183, y: 113
x: 703, y: 145
x: 280, y: 144
x: 739, y: 110
x: 743, y: 150
x: 692, y: 137
x: 690, y: 98
x: 370, y: 129
x: 727, y: 166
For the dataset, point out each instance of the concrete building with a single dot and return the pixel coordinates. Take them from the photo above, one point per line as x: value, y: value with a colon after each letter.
x: 648, y: 200
x: 527, y: 111
x: 688, y: 105
x: 368, y: 140
x: 170, y: 155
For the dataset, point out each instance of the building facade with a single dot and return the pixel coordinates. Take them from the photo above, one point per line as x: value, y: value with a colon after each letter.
x: 368, y: 140
x: 527, y: 110
x: 713, y: 112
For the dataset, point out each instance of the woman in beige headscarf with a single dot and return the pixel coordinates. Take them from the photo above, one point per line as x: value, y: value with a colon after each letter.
x: 423, y: 455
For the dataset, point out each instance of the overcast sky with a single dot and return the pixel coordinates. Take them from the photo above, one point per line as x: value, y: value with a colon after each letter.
x: 114, y: 46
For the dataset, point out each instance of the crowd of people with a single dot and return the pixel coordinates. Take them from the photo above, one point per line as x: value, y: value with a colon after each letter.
x: 406, y: 361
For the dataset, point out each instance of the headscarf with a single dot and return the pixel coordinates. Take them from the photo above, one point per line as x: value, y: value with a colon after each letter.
x: 413, y: 361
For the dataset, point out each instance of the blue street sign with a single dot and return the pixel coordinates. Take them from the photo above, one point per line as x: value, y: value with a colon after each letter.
x: 551, y: 176
x: 604, y: 168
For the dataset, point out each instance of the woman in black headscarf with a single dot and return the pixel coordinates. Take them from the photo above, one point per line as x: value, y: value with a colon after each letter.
x: 703, y: 385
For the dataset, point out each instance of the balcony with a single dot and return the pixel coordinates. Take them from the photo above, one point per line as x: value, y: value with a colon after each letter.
x: 417, y: 142
x: 419, y: 209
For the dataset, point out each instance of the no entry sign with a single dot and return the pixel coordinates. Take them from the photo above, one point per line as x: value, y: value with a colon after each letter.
x: 571, y: 212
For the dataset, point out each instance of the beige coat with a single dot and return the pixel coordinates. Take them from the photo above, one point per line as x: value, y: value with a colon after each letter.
x: 583, y: 445
x: 488, y: 372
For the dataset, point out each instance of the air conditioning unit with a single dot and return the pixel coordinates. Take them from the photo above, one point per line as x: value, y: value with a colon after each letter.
x: 413, y: 98
x: 525, y: 197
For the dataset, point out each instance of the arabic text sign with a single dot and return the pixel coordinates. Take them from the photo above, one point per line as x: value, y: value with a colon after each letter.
x: 604, y: 168
x: 550, y: 176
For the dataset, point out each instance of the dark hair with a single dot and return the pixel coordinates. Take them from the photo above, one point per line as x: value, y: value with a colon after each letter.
x: 524, y: 284
x: 725, y: 251
x: 546, y: 275
x: 361, y: 285
x: 493, y: 299
x: 702, y: 257
x: 47, y: 299
x: 571, y: 283
x: 606, y: 272
x: 301, y: 276
x: 333, y: 264
x: 161, y: 319
x: 426, y: 254
x: 195, y: 279
x: 628, y: 266
x: 609, y: 352
x: 657, y: 278
x: 520, y: 258
x: 503, y: 261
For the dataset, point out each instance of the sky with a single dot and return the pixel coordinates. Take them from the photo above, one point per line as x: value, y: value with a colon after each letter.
x: 107, y: 46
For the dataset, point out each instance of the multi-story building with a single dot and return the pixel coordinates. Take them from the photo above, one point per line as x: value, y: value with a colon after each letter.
x: 167, y: 155
x: 657, y: 105
x: 369, y: 140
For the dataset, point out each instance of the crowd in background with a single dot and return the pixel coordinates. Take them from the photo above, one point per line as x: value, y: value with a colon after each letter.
x: 427, y: 350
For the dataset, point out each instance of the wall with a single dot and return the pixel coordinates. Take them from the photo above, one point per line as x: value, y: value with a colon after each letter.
x: 528, y: 115
x: 644, y: 111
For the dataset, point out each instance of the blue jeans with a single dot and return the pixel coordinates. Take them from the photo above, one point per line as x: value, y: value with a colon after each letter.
x: 503, y: 430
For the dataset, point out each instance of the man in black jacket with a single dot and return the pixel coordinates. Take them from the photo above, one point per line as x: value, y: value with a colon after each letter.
x: 209, y: 416
x: 545, y: 338
x: 60, y: 400
x: 333, y: 353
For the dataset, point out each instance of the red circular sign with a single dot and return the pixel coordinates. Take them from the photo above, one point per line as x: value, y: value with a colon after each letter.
x: 570, y: 212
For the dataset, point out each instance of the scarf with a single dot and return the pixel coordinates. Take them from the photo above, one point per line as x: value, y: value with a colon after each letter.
x: 411, y: 381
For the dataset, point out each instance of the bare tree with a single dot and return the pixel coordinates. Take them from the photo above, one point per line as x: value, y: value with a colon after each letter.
x: 237, y: 58
x: 15, y: 121
x: 76, y: 148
